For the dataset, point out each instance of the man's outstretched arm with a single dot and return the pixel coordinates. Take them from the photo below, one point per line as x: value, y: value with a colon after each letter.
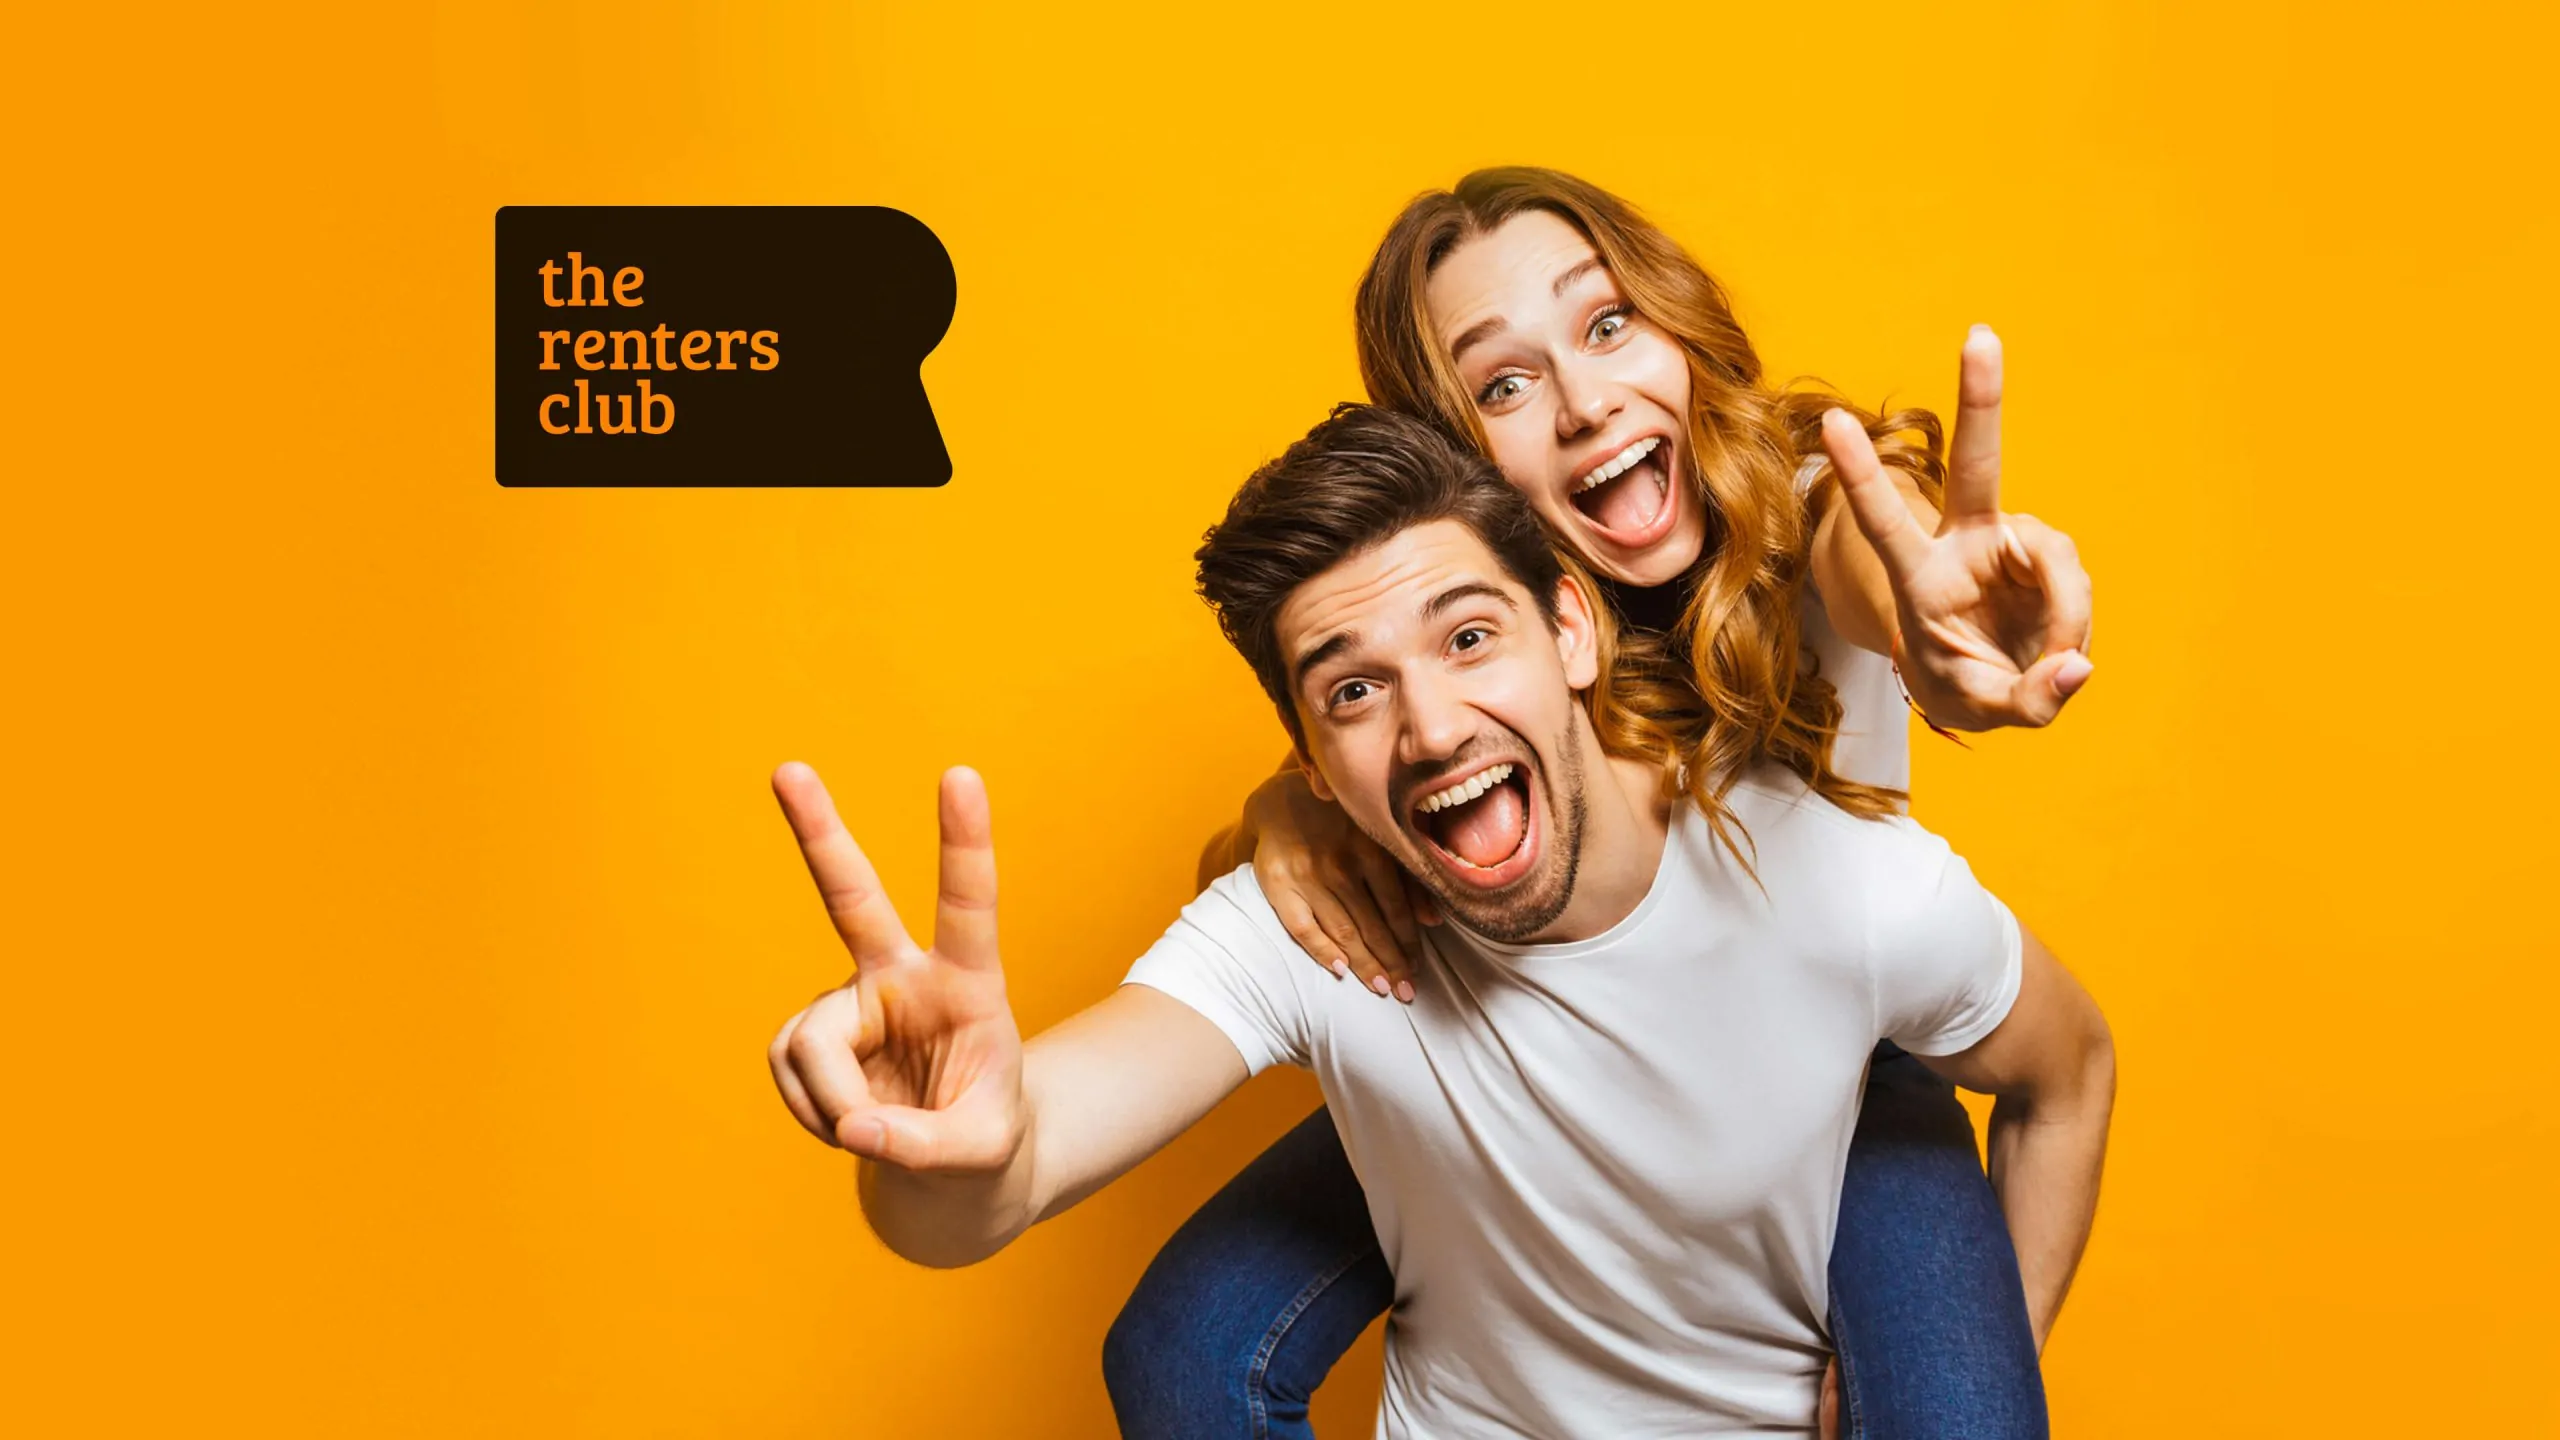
x: 1104, y: 1090
x: 967, y: 1136
x: 2052, y: 1065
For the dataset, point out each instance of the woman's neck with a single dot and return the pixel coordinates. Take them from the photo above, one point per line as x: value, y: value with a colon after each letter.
x: 1655, y: 609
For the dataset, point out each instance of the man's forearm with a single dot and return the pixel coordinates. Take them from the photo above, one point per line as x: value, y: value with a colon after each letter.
x: 947, y: 1220
x: 1101, y: 1091
x: 2047, y: 1151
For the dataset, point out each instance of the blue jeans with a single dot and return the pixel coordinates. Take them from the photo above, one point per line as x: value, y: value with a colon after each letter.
x: 1249, y: 1304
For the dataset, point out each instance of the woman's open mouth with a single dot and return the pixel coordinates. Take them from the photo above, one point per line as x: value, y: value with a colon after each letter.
x: 1629, y: 497
x: 1483, y: 828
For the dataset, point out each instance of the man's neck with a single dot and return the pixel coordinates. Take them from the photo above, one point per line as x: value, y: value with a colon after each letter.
x: 1622, y: 838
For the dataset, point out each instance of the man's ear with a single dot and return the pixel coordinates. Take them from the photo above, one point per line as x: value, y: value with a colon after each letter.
x: 1577, y: 632
x: 1315, y: 777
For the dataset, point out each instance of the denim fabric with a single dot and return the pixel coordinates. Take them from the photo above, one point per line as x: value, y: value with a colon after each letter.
x: 1246, y: 1308
x: 1249, y: 1304
x: 1926, y: 1307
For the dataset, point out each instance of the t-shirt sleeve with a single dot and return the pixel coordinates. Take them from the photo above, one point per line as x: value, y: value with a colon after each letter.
x: 1946, y: 953
x: 1229, y: 957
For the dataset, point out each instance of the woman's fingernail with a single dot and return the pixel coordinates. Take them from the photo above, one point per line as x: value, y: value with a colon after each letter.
x: 1341, y: 971
x: 2072, y: 674
x: 1378, y: 983
x: 1404, y: 991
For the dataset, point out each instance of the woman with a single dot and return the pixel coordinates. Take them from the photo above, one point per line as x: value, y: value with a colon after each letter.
x: 1601, y: 368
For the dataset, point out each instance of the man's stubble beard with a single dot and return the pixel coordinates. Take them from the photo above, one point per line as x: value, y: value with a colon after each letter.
x: 1517, y: 920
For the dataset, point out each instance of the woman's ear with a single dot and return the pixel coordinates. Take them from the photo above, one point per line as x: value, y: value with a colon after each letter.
x: 1577, y: 632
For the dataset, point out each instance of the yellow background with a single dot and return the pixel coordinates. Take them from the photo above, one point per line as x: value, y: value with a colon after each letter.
x: 397, y: 912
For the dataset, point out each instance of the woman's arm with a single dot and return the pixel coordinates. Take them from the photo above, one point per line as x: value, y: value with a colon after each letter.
x: 1342, y: 898
x: 1850, y: 576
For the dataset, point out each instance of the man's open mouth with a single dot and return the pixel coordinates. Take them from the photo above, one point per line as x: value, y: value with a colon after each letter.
x: 1628, y: 497
x: 1483, y: 826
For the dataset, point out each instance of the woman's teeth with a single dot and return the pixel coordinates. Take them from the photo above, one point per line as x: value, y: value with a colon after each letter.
x: 1621, y: 464
x: 1465, y: 790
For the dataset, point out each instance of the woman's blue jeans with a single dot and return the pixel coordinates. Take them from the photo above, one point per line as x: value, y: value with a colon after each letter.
x: 1249, y: 1304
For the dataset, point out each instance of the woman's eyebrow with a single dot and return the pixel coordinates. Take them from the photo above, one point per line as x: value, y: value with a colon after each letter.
x: 1480, y: 331
x: 1491, y: 326
x: 1565, y: 281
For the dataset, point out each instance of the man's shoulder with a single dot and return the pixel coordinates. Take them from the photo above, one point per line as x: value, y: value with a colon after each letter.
x: 1234, y: 908
x: 1794, y: 832
x: 1780, y: 798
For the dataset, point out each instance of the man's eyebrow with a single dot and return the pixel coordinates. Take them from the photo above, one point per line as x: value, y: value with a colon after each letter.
x: 1565, y: 281
x: 1473, y: 589
x: 1341, y: 640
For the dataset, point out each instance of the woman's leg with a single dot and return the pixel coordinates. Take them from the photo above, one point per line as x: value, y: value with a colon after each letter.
x: 1926, y: 1305
x: 1249, y: 1304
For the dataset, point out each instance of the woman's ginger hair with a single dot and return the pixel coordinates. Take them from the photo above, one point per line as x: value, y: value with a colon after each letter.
x: 1745, y: 694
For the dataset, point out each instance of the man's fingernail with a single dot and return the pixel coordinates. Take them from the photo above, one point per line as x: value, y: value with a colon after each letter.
x: 1404, y: 991
x: 2072, y: 674
x: 1378, y: 983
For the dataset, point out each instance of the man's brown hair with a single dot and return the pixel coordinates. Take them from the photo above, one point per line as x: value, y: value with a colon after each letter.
x: 1363, y: 476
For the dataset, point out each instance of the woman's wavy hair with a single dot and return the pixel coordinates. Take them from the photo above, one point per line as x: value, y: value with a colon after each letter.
x: 1746, y: 693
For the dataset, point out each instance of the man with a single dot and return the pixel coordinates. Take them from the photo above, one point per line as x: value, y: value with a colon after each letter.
x: 1603, y: 1145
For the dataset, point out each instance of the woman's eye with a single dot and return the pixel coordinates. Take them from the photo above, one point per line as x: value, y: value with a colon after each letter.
x: 1610, y: 325
x: 1504, y: 387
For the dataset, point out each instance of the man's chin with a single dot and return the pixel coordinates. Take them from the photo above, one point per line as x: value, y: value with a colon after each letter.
x: 1510, y: 902
x: 1508, y: 899
x: 1517, y: 914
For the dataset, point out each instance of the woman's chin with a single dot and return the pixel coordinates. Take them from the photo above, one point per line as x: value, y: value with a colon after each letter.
x: 1660, y: 563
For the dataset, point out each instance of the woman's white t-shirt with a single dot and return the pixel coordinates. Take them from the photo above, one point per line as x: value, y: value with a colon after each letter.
x: 1874, y: 744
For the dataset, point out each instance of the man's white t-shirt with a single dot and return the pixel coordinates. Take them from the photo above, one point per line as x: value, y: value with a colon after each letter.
x: 1605, y: 1174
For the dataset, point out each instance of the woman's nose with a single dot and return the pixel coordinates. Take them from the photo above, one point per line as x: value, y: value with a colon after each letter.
x: 1583, y: 402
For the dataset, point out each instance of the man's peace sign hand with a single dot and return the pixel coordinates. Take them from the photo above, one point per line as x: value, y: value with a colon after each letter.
x: 917, y: 1061
x: 1994, y: 608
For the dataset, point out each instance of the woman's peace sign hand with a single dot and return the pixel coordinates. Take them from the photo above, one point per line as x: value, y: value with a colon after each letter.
x: 1994, y: 608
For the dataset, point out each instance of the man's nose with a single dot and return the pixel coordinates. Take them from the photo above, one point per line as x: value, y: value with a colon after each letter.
x: 1437, y: 721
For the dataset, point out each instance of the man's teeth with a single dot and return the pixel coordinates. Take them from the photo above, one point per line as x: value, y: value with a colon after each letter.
x: 1624, y: 461
x: 1466, y: 790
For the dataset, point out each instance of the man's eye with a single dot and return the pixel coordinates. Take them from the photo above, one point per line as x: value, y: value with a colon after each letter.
x: 1470, y: 638
x: 1504, y: 387
x: 1349, y: 692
